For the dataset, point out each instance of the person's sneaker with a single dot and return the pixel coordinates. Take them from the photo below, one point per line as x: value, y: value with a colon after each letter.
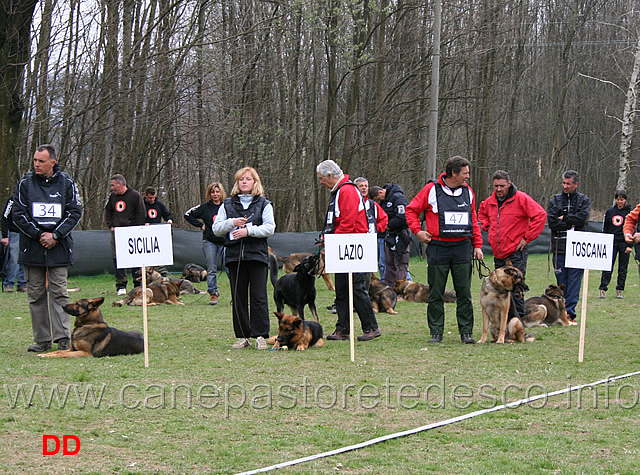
x: 22, y: 288
x: 338, y: 335
x: 261, y: 344
x: 618, y: 294
x: 40, y: 347
x: 122, y: 291
x: 213, y: 300
x: 8, y: 289
x: 63, y: 344
x: 436, y: 338
x: 369, y: 335
x: 603, y: 293
x: 241, y: 343
x: 467, y: 338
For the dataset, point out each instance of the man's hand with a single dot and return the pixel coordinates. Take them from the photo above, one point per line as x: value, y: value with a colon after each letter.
x: 5, y: 241
x: 46, y: 240
x: 424, y: 236
x: 522, y: 244
x: 477, y: 254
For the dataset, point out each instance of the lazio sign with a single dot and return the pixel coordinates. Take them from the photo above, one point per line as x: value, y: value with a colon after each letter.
x: 589, y: 250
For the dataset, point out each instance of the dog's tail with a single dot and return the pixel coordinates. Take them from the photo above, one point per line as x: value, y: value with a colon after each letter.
x: 273, y: 268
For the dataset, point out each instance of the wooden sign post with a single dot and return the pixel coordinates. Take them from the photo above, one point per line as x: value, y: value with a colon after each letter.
x: 142, y: 246
x: 588, y: 251
x: 348, y: 254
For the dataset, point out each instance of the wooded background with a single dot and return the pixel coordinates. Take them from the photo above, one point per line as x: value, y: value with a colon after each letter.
x: 179, y: 93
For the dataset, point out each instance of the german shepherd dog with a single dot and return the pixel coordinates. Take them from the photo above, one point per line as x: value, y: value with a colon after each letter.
x: 153, y: 276
x: 383, y: 298
x: 415, y: 292
x: 292, y: 260
x: 548, y: 309
x: 295, y: 333
x: 299, y: 289
x: 194, y: 273
x: 495, y: 298
x: 164, y: 292
x: 92, y: 336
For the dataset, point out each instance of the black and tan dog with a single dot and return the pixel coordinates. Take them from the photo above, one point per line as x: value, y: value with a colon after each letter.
x: 383, y: 298
x: 548, y: 309
x: 299, y: 289
x: 296, y: 334
x: 194, y: 273
x: 153, y: 276
x: 415, y: 292
x: 157, y: 294
x: 92, y: 336
x: 495, y: 299
x: 292, y: 260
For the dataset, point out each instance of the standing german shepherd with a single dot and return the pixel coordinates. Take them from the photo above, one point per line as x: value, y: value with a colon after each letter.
x: 296, y: 333
x: 495, y: 298
x: 299, y: 289
x: 91, y: 335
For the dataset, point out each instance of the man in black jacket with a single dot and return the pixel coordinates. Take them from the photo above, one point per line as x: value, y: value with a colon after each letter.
x: 46, y: 210
x: 565, y: 211
x: 398, y: 237
x: 14, y: 272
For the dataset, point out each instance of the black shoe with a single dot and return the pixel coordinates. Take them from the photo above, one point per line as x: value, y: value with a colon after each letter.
x: 436, y: 339
x: 467, y: 338
x: 63, y: 344
x: 338, y: 335
x: 40, y: 347
x: 369, y: 335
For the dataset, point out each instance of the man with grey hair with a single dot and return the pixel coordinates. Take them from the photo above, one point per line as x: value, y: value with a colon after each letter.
x: 567, y: 210
x: 347, y: 214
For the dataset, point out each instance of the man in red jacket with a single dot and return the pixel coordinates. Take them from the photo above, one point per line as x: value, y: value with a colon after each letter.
x: 454, y: 238
x: 513, y: 220
x: 347, y: 214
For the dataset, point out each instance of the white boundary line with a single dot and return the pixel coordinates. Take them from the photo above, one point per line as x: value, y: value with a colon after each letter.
x: 433, y: 425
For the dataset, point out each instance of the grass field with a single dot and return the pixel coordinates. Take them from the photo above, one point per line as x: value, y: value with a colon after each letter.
x: 202, y: 407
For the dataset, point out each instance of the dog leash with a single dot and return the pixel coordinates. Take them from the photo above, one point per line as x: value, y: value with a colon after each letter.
x: 481, y: 267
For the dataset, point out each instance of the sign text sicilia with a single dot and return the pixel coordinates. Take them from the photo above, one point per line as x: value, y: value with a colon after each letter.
x: 143, y: 245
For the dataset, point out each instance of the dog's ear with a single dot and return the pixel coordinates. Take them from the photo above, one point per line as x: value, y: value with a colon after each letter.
x: 297, y: 268
x: 279, y: 315
x: 97, y: 302
x: 561, y: 287
x: 297, y: 322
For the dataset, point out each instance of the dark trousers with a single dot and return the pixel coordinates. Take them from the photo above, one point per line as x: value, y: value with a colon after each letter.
x: 249, y: 282
x: 396, y: 268
x: 442, y: 259
x: 572, y: 280
x: 121, y: 274
x: 361, y: 303
x: 519, y: 261
x: 618, y: 250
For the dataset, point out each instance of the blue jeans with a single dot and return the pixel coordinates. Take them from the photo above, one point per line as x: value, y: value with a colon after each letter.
x: 14, y: 271
x: 381, y: 265
x: 572, y: 280
x: 213, y: 253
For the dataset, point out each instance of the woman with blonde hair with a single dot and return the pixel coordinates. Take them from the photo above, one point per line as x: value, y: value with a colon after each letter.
x: 202, y: 216
x: 245, y: 219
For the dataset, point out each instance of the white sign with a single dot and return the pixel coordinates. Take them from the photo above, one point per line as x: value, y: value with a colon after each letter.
x: 143, y: 246
x: 589, y: 250
x: 345, y: 253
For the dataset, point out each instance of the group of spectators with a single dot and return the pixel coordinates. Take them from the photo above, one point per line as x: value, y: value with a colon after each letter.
x: 46, y: 207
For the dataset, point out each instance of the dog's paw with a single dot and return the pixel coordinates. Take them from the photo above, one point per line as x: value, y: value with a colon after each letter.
x: 572, y: 323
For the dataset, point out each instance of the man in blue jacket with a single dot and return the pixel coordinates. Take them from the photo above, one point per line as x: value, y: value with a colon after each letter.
x: 46, y: 210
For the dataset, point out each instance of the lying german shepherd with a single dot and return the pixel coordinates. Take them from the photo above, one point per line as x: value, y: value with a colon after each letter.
x: 164, y: 292
x: 194, y: 273
x: 495, y: 298
x: 296, y: 334
x: 548, y: 309
x: 91, y: 335
x: 292, y: 260
x: 299, y: 289
x: 415, y: 292
x: 383, y: 298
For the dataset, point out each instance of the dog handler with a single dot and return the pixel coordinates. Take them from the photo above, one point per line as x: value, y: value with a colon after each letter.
x: 246, y: 221
x: 46, y: 210
x: 453, y: 237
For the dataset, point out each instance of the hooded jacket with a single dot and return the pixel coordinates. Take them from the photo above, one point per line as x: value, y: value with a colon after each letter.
x: 574, y: 208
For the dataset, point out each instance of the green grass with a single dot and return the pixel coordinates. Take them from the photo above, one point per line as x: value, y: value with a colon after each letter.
x: 249, y: 409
